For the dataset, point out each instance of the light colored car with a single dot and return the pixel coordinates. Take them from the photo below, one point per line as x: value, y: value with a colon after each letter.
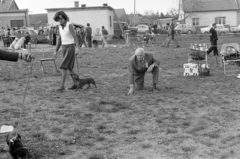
x: 235, y: 29
x: 35, y: 37
x: 185, y: 29
x: 220, y: 29
x: 142, y: 28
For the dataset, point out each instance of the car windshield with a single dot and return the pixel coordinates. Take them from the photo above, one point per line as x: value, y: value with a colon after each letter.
x: 31, y: 32
x: 178, y: 27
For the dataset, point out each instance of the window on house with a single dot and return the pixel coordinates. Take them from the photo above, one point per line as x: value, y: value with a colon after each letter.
x: 195, y: 21
x: 110, y: 21
x: 221, y: 20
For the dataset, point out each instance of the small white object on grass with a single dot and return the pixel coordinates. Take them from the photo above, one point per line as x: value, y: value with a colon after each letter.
x: 6, y: 128
x: 238, y: 76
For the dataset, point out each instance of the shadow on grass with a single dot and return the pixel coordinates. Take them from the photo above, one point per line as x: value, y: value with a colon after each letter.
x: 108, y: 106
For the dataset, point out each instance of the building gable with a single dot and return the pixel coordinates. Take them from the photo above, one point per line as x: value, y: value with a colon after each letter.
x: 13, y: 6
x: 7, y: 5
x: 4, y: 6
x: 120, y: 15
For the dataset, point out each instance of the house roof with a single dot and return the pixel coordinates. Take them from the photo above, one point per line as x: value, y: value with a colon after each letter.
x: 209, y: 5
x: 36, y: 18
x: 82, y: 8
x: 120, y: 12
x: 15, y: 11
x: 6, y: 5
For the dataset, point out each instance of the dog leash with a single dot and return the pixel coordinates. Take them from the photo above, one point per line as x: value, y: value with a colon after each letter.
x: 25, y: 93
x: 77, y: 64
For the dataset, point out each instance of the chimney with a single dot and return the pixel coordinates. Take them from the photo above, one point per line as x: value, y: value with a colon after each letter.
x: 105, y: 4
x: 76, y: 4
x: 83, y: 5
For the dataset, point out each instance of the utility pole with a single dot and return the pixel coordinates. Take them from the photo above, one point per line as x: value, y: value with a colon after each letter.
x: 134, y: 6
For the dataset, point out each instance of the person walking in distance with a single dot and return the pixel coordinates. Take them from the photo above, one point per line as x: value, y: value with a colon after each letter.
x: 172, y: 33
x: 89, y: 35
x: 213, y: 40
x: 67, y: 38
x: 82, y: 37
x: 168, y: 34
x: 104, y: 34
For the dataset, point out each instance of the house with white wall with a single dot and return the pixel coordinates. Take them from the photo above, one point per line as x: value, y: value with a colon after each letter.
x: 96, y: 16
x: 205, y: 12
x: 11, y: 15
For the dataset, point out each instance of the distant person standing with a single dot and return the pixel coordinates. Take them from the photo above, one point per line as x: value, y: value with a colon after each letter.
x: 126, y: 34
x: 104, y: 34
x: 68, y: 39
x: 89, y: 35
x: 172, y: 33
x: 28, y: 38
x: 40, y: 31
x: 1, y: 33
x: 168, y: 34
x: 54, y: 36
x: 82, y: 37
x: 51, y: 35
x: 19, y: 34
x: 13, y: 32
x: 213, y: 40
x: 7, y: 33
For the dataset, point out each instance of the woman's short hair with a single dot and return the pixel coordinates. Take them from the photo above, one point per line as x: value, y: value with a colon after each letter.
x: 63, y: 14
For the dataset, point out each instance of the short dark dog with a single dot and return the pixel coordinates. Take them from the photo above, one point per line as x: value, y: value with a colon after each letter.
x: 16, y: 148
x: 82, y: 82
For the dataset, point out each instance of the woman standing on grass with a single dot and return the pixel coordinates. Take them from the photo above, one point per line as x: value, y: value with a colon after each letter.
x: 67, y: 38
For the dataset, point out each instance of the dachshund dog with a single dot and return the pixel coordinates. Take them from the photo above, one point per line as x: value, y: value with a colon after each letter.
x: 16, y: 148
x: 80, y: 83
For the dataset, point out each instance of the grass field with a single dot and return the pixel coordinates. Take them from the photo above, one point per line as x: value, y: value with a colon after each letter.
x: 190, y: 118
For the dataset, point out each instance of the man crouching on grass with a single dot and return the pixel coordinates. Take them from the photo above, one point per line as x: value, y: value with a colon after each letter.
x: 139, y: 64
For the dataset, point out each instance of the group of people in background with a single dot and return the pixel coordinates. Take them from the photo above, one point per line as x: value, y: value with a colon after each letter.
x: 14, y: 33
x: 84, y: 35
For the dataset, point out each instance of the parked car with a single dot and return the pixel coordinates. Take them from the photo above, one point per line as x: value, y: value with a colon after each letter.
x: 185, y: 29
x: 235, y: 29
x: 142, y: 28
x: 220, y: 29
x: 132, y: 30
x: 34, y: 35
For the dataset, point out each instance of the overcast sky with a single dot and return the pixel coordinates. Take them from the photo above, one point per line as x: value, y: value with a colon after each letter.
x: 38, y: 6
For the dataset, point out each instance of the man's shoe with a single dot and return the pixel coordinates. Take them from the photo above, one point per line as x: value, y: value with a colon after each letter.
x: 155, y: 90
x: 73, y: 87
